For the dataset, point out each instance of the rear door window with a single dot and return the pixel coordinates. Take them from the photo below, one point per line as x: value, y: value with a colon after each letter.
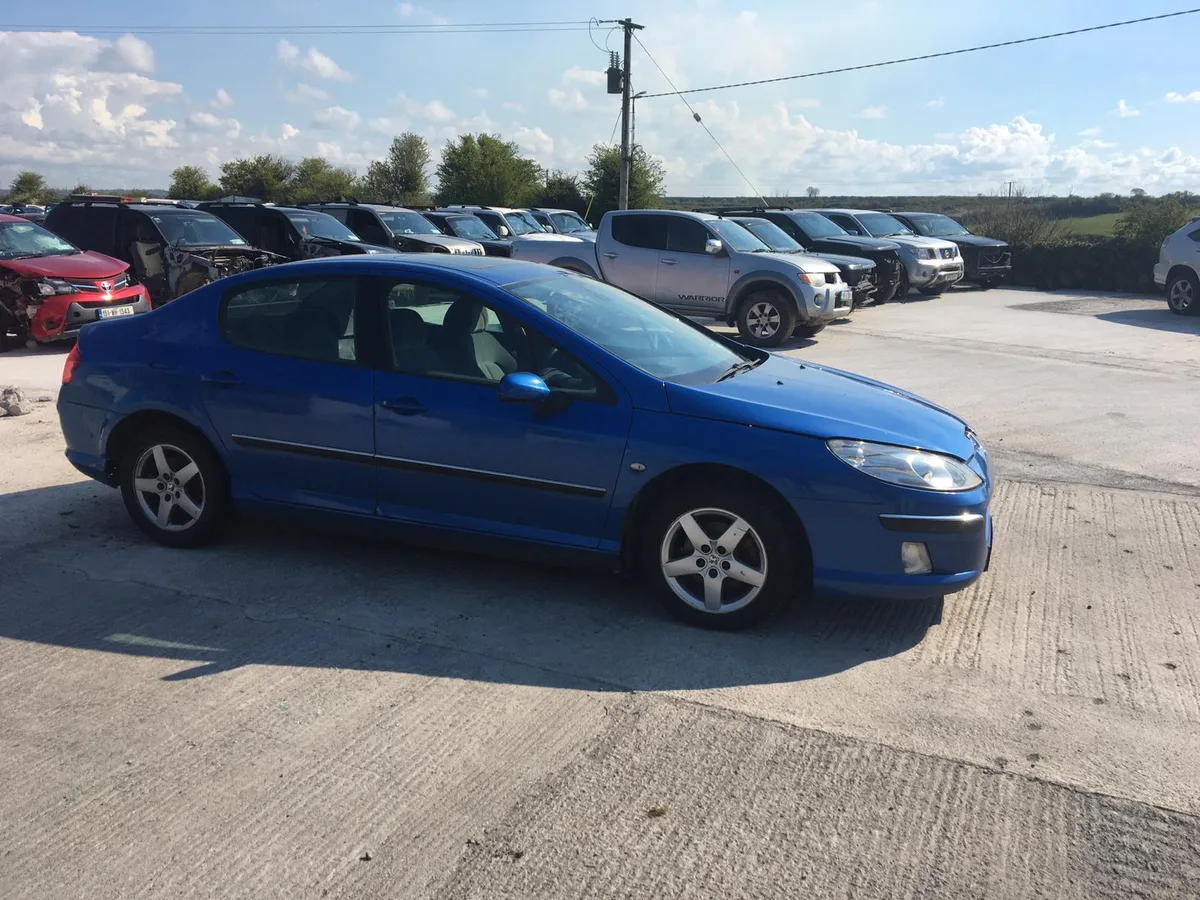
x: 306, y: 318
x: 648, y: 232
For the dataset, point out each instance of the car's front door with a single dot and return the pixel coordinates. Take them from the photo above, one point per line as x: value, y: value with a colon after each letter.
x: 630, y: 259
x: 451, y: 453
x: 289, y: 394
x: 689, y: 279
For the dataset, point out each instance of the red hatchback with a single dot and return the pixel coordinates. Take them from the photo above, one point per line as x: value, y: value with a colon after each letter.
x: 49, y: 288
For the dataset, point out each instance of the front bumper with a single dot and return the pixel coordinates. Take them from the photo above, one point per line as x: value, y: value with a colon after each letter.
x: 824, y: 304
x: 60, y: 317
x: 1160, y: 273
x: 924, y: 273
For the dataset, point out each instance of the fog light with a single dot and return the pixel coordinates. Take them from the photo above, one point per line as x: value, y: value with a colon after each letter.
x: 915, y: 557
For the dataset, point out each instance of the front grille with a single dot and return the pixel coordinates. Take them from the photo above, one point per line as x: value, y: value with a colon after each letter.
x: 949, y: 252
x: 997, y: 257
x: 93, y: 287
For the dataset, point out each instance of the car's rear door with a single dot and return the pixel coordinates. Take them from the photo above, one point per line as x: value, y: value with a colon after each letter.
x: 629, y: 258
x: 285, y: 386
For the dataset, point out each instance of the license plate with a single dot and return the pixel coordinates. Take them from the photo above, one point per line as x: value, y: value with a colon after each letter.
x: 113, y: 312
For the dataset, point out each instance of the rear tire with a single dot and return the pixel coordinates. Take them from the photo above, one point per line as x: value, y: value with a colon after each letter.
x: 1183, y: 295
x: 174, y: 486
x: 713, y: 585
x: 765, y: 319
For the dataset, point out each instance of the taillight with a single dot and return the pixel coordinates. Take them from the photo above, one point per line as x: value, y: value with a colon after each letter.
x: 74, y: 358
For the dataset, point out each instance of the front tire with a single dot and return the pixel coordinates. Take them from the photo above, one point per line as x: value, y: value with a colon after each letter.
x: 1183, y: 294
x: 765, y: 319
x: 721, y: 556
x: 174, y: 486
x: 933, y: 291
x: 809, y: 331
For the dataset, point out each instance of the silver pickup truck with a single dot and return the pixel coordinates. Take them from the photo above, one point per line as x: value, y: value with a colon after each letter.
x: 703, y: 265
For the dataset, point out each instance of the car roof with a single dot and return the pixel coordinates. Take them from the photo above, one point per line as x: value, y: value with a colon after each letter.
x: 5, y: 217
x: 915, y: 215
x: 699, y: 216
x: 495, y: 270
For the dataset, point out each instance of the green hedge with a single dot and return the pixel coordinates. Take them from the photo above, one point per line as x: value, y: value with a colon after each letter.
x: 1106, y: 264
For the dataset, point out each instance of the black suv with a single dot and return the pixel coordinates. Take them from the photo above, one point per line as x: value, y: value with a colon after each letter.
x: 814, y: 232
x: 170, y: 249
x: 395, y: 226
x: 857, y: 271
x: 466, y: 225
x: 291, y: 231
x: 987, y: 260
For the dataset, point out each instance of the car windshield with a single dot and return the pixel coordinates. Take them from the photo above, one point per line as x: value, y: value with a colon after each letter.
x: 21, y: 240
x: 407, y: 223
x: 735, y: 236
x: 882, y: 225
x: 817, y: 226
x: 314, y: 224
x: 569, y: 222
x: 937, y: 226
x: 523, y: 223
x: 471, y: 227
x: 771, y: 235
x: 196, y: 229
x: 651, y: 339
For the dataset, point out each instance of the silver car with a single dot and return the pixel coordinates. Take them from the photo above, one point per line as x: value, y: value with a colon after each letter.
x: 1178, y: 268
x: 930, y: 264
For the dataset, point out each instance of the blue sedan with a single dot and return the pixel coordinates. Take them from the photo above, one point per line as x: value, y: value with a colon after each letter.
x: 527, y: 408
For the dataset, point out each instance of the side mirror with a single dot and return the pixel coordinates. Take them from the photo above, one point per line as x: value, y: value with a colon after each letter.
x: 502, y: 231
x: 712, y: 246
x: 524, y: 387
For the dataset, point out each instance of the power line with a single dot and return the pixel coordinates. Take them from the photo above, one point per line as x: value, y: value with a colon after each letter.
x: 696, y: 116
x: 381, y: 28
x: 908, y: 59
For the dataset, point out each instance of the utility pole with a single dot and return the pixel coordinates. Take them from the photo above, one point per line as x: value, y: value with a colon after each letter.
x: 626, y: 151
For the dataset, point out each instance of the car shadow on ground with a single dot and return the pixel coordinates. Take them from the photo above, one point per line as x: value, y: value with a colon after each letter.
x: 280, y: 594
x: 1158, y: 319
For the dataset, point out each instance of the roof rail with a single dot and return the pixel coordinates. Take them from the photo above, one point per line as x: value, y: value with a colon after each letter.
x: 250, y: 201
x: 349, y: 201
x: 99, y: 198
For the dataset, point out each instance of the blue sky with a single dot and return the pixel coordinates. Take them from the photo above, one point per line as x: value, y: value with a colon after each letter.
x: 1109, y: 111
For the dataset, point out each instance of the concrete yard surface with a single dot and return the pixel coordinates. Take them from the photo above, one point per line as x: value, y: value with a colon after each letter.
x: 296, y: 712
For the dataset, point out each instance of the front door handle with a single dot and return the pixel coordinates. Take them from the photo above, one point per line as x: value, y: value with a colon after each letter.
x: 223, y: 378
x: 609, y: 255
x: 668, y: 262
x: 404, y: 406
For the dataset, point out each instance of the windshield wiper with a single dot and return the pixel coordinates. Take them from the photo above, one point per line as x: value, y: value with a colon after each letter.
x: 738, y: 368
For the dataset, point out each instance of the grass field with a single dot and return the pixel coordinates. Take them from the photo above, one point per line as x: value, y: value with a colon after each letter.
x: 1102, y: 225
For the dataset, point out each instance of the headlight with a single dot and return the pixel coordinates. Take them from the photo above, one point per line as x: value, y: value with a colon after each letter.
x: 48, y: 287
x: 923, y: 253
x: 905, y: 466
x: 817, y: 279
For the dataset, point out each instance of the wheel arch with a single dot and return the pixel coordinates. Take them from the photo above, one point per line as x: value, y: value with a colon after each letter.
x: 129, y: 426
x: 754, y: 282
x: 663, y: 484
x: 1182, y: 269
x: 575, y: 265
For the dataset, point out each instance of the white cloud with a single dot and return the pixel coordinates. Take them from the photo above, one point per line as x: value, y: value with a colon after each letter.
x: 133, y: 54
x: 576, y: 75
x: 1175, y: 97
x: 535, y: 142
x: 481, y: 93
x: 873, y: 112
x: 1125, y: 111
x: 1090, y: 132
x: 404, y: 10
x: 306, y: 94
x: 314, y: 62
x: 337, y: 117
x: 206, y: 121
x: 572, y: 99
x: 287, y: 132
x: 510, y: 106
x: 438, y: 111
x: 221, y: 100
x: 936, y: 103
x: 805, y: 103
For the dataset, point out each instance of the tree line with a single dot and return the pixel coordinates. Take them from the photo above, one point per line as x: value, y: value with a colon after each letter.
x: 472, y: 168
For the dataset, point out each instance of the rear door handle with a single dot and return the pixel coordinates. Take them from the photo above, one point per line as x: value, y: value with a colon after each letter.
x: 223, y: 378
x: 404, y: 406
x: 668, y: 262
x: 609, y: 255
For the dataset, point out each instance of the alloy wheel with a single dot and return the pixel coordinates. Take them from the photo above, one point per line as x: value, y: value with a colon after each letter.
x: 763, y: 319
x: 1181, y: 295
x: 169, y: 486
x: 713, y: 560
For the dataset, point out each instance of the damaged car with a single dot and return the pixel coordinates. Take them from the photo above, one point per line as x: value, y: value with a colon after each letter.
x: 170, y: 249
x: 49, y: 288
x: 291, y: 232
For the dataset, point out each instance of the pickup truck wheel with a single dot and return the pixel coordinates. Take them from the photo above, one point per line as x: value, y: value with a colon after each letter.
x: 1183, y: 295
x: 719, y: 556
x: 933, y: 291
x: 764, y: 319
